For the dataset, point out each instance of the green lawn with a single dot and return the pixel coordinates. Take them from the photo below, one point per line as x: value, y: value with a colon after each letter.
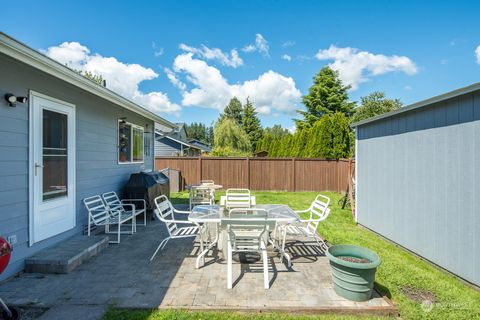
x: 406, y: 279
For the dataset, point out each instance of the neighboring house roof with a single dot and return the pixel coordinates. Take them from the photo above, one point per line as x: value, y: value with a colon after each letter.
x: 174, y: 137
x: 260, y: 154
x: 203, y: 146
x: 421, y: 104
x: 23, y: 53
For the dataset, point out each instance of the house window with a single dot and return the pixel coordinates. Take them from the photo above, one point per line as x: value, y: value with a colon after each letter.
x: 130, y: 143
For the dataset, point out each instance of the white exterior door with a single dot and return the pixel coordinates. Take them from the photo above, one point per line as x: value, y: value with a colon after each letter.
x: 52, y: 167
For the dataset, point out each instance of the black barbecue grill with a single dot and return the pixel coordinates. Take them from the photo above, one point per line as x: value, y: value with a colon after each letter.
x: 148, y: 186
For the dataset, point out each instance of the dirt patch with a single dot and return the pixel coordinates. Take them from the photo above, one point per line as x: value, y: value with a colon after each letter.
x: 354, y: 259
x: 419, y: 295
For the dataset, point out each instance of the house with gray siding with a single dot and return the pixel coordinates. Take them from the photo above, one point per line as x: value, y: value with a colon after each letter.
x: 418, y: 179
x: 70, y: 139
x: 173, y: 142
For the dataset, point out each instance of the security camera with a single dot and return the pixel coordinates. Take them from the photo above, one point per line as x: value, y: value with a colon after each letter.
x: 22, y: 99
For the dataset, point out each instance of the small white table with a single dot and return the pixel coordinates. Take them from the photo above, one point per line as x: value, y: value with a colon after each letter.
x: 211, y: 186
x: 278, y: 213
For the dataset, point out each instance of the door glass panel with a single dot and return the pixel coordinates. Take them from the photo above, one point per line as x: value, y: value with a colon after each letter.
x: 54, y: 155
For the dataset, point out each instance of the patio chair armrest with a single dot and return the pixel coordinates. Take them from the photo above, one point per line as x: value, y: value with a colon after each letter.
x: 302, y: 211
x: 127, y: 201
x: 131, y: 205
x: 182, y: 211
x: 312, y: 220
x: 182, y: 222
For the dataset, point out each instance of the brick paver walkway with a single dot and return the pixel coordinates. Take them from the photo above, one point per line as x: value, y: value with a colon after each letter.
x: 122, y: 275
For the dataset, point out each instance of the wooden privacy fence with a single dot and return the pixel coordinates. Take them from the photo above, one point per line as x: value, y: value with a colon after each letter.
x: 290, y: 174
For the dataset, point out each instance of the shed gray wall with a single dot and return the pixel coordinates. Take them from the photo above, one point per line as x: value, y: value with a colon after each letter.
x: 167, y: 147
x: 418, y: 182
x: 97, y: 170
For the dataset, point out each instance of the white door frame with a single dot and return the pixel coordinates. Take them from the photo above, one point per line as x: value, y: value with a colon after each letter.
x: 31, y: 161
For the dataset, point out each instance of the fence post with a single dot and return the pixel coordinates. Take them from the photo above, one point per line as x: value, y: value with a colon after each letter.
x: 293, y: 175
x: 248, y: 173
x: 199, y: 169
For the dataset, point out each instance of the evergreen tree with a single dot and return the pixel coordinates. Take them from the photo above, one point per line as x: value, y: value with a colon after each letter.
x: 313, y: 147
x: 327, y: 95
x: 268, y: 136
x: 234, y: 111
x: 334, y: 136
x: 197, y: 130
x: 210, y: 135
x: 299, y: 143
x: 251, y: 124
x: 375, y: 104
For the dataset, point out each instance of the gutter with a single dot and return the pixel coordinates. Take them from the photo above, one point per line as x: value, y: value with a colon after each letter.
x: 442, y: 97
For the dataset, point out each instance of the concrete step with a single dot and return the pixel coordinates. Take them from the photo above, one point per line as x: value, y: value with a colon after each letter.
x: 67, y: 255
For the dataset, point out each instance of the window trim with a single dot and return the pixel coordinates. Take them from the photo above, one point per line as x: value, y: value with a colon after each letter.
x: 132, y: 126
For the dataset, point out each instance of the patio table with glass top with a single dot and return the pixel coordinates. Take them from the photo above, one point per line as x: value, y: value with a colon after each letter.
x: 214, y: 214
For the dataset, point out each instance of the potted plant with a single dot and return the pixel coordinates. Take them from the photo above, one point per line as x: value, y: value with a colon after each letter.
x: 353, y: 271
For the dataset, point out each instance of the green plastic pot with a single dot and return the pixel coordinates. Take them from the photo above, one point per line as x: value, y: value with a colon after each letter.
x: 352, y: 280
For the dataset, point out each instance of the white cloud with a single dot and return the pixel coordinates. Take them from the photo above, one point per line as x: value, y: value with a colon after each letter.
x: 270, y: 91
x: 356, y: 66
x: 286, y: 57
x: 174, y: 79
x: 157, y: 52
x: 477, y: 54
x: 205, y: 52
x: 122, y: 78
x: 292, y: 129
x: 260, y: 45
x: 288, y: 43
x: 407, y: 87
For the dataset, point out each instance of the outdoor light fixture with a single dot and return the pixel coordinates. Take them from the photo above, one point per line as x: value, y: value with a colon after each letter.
x: 123, y: 120
x: 12, y: 99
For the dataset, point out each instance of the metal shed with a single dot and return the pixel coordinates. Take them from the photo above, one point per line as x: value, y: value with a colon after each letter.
x: 418, y: 179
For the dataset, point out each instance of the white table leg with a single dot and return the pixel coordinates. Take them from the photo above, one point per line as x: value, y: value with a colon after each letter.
x: 201, y: 257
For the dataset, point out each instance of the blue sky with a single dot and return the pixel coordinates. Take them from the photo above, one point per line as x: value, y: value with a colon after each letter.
x: 409, y: 50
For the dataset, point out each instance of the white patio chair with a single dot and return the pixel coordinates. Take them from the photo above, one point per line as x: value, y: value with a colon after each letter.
x: 247, y: 235
x: 100, y: 215
x: 223, y: 201
x: 116, y: 205
x: 165, y: 212
x: 207, y: 182
x: 319, y: 211
x: 202, y: 194
x: 238, y: 198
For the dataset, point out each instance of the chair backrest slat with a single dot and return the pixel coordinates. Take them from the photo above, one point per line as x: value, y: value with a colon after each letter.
x: 164, y: 213
x: 246, y: 233
x: 238, y: 198
x: 97, y: 211
x: 201, y: 195
x: 319, y: 211
x: 113, y: 201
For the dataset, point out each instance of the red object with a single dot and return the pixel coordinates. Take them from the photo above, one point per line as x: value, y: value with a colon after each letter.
x: 5, y: 253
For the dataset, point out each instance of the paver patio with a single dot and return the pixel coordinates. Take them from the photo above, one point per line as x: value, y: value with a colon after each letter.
x: 122, y: 275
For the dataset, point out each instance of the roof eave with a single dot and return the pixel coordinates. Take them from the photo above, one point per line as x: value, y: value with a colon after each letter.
x: 23, y: 53
x: 445, y: 96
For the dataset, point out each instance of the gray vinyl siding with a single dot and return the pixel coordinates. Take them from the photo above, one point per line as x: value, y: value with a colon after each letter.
x: 418, y: 182
x: 167, y: 147
x: 97, y: 169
